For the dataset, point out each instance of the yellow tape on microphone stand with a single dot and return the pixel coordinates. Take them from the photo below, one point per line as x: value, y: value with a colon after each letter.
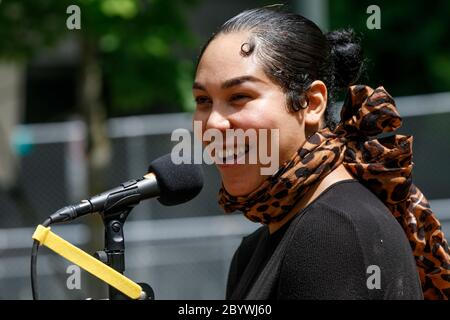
x: 92, y: 265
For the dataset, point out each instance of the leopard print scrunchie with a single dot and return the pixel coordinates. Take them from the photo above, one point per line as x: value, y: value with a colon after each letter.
x: 383, y: 165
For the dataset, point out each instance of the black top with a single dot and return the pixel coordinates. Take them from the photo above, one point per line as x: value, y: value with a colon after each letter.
x: 335, y: 248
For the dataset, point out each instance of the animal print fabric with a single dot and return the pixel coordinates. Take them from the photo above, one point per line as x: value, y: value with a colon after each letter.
x: 383, y: 165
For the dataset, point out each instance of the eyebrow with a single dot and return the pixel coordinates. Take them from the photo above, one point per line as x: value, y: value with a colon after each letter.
x: 231, y: 82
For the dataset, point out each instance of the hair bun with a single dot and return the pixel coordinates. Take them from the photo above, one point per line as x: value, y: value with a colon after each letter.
x: 346, y: 57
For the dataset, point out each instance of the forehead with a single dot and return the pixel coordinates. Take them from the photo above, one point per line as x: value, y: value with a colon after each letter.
x: 222, y: 60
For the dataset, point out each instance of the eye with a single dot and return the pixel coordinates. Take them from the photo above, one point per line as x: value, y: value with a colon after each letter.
x: 240, y: 97
x: 202, y: 100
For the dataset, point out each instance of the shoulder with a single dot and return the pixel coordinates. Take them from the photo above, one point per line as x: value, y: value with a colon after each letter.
x: 349, y: 203
x: 347, y: 217
x: 334, y: 241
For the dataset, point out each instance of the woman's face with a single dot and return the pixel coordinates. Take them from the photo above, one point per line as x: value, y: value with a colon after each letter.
x: 232, y: 92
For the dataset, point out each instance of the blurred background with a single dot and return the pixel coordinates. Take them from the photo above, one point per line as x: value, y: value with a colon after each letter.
x: 82, y: 110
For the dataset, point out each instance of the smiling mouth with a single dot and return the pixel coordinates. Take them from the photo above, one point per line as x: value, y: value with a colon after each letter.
x: 230, y: 155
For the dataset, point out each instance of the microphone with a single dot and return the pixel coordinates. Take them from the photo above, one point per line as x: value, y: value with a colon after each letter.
x: 173, y: 184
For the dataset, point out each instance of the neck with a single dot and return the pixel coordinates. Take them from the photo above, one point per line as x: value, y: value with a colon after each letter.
x: 338, y: 174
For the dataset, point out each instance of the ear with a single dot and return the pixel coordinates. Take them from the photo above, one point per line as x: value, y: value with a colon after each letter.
x: 317, y: 103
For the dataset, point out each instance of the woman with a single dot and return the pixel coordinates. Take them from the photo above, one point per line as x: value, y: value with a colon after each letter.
x: 341, y: 218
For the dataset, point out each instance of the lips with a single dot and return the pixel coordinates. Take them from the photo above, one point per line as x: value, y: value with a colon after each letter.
x: 230, y: 155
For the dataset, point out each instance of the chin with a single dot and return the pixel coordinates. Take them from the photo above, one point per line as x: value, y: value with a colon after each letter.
x: 241, y: 180
x: 242, y: 187
x: 237, y: 191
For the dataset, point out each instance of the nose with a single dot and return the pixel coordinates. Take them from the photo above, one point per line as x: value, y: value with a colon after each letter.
x: 218, y: 120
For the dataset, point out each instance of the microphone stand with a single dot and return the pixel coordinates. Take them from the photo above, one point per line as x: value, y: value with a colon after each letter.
x: 114, y: 253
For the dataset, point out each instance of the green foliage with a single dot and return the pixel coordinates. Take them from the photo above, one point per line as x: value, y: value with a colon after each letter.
x: 139, y: 43
x: 26, y: 26
x: 410, y: 54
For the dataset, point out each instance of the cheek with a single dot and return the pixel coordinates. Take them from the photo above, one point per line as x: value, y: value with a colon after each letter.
x: 292, y: 137
x: 199, y: 120
x: 271, y: 117
x: 268, y: 112
x: 197, y: 116
x: 290, y: 131
x: 256, y: 117
x: 289, y: 137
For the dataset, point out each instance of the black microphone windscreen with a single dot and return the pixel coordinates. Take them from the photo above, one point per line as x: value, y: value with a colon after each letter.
x: 178, y: 183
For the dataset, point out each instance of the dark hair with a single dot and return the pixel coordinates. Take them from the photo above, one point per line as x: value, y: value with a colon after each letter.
x: 294, y: 52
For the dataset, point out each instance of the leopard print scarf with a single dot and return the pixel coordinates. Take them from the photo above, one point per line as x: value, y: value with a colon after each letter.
x: 383, y: 165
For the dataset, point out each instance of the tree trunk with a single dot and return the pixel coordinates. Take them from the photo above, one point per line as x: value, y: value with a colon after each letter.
x: 98, y: 151
x: 11, y: 111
